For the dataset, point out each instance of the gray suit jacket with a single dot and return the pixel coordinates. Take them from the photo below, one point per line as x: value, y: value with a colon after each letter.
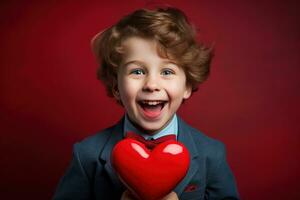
x: 91, y: 176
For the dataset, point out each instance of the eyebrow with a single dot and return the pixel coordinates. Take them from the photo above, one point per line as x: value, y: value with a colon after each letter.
x: 142, y: 63
x: 133, y: 62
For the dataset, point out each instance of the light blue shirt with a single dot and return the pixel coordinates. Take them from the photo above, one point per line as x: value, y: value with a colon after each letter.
x: 171, y: 128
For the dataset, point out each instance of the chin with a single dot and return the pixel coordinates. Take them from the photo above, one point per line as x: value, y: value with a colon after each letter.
x: 151, y: 128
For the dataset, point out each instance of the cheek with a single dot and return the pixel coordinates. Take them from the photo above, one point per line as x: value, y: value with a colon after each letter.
x: 128, y: 90
x: 176, y: 89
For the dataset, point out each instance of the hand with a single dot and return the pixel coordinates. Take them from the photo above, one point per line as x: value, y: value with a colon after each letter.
x: 171, y: 196
x: 127, y: 195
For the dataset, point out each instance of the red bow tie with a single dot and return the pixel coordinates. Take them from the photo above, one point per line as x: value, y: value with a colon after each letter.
x: 150, y: 144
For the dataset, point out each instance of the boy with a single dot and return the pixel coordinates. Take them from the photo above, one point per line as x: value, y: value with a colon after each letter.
x: 150, y: 63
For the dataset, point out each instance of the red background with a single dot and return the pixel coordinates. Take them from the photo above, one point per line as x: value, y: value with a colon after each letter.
x: 50, y: 97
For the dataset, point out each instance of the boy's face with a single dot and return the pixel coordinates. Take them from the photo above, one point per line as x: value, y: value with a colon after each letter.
x: 151, y: 88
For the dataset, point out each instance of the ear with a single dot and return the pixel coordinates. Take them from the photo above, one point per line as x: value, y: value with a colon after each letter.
x: 187, y: 92
x: 116, y: 94
x: 115, y: 91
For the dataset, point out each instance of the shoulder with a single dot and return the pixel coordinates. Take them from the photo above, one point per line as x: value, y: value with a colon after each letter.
x: 211, y: 150
x: 204, y: 139
x: 91, y: 146
x: 210, y: 147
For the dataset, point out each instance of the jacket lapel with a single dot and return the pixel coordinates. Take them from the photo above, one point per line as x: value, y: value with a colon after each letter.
x: 115, y: 136
x: 185, y: 137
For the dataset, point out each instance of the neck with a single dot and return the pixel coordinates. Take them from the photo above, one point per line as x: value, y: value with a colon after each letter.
x: 149, y: 132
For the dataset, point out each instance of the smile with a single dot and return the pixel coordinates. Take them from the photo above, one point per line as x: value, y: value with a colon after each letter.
x: 152, y: 108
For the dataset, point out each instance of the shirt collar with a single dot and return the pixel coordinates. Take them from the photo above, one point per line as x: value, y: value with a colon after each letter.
x: 171, y: 128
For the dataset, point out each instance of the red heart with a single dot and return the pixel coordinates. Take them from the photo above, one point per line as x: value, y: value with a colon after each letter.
x: 150, y: 175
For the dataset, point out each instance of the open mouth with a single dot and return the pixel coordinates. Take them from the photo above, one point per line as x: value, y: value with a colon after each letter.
x: 152, y: 108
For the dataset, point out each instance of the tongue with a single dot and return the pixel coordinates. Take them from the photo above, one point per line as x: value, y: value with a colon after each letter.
x: 152, y: 111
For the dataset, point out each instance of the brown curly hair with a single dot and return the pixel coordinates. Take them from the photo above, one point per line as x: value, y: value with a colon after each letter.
x: 175, y: 36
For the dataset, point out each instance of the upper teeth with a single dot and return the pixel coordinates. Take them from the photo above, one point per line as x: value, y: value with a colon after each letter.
x: 152, y: 102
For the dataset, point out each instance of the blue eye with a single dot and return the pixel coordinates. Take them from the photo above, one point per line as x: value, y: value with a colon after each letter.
x: 137, y: 72
x: 167, y: 72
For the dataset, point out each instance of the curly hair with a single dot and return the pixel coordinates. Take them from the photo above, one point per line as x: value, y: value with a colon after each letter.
x: 175, y: 36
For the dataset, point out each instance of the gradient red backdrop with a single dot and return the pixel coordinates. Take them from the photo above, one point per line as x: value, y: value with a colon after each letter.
x: 50, y: 97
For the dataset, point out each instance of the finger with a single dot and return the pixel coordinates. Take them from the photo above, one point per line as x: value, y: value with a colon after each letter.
x: 127, y: 195
x: 171, y: 196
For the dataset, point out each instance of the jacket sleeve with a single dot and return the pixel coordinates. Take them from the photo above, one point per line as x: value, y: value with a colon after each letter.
x: 220, y: 180
x: 75, y: 183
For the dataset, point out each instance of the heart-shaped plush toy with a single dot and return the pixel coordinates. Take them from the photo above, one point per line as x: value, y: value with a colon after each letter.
x: 150, y: 175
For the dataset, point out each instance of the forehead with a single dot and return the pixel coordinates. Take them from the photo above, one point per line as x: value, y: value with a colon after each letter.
x: 137, y: 47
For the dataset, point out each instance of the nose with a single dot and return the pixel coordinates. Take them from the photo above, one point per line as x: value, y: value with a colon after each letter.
x: 151, y: 84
